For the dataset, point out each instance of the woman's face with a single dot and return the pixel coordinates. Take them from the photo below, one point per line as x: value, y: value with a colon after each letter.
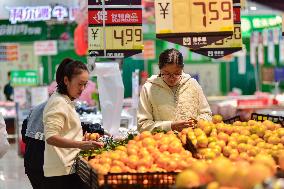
x: 77, y: 84
x: 171, y: 74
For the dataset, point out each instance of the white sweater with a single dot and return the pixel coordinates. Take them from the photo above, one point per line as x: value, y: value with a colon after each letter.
x: 159, y: 106
x: 60, y: 118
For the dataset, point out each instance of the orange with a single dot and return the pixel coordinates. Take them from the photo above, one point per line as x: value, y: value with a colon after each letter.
x: 141, y: 169
x: 114, y: 155
x: 131, y: 142
x: 146, y: 162
x: 158, y: 136
x: 149, y: 142
x: 164, y: 140
x: 175, y: 147
x: 105, y: 160
x: 163, y: 148
x: 132, y: 161
x: 151, y: 148
x: 132, y: 150
x: 137, y: 138
x: 162, y: 162
x: 118, y: 163
x: 143, y: 152
x: 102, y: 170
x: 172, y: 165
x: 115, y: 169
x: 145, y: 134
x: 172, y: 137
x: 94, y: 136
x: 121, y: 148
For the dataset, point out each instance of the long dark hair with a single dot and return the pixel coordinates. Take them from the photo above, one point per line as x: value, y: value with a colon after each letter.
x: 69, y: 68
x: 170, y: 56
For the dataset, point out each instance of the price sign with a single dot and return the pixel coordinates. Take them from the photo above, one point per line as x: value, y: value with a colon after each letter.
x: 123, y: 37
x: 179, y: 21
x: 115, y: 29
x: 228, y: 45
x: 212, y: 15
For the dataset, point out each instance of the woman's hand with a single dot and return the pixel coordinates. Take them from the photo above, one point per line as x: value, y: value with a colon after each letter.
x: 90, y: 145
x: 180, y: 125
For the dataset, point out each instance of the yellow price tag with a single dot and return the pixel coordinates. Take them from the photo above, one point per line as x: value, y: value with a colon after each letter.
x: 194, y: 16
x: 212, y: 15
x: 117, y: 37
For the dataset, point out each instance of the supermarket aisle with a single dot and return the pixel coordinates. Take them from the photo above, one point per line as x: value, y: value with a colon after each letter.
x: 12, y: 174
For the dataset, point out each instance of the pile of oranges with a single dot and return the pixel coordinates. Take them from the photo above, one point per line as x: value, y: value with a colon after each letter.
x: 164, y: 152
x: 145, y: 153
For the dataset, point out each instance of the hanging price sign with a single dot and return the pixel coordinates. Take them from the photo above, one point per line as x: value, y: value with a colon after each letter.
x: 228, y: 45
x: 194, y: 23
x: 115, y: 28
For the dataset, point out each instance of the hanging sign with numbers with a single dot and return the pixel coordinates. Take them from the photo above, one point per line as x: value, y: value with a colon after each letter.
x: 228, y: 45
x: 194, y: 23
x: 115, y: 28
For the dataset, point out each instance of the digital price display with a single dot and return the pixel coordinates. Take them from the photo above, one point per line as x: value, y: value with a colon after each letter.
x: 194, y: 23
x: 115, y: 28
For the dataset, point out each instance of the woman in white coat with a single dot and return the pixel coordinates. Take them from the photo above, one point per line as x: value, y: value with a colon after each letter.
x: 171, y: 100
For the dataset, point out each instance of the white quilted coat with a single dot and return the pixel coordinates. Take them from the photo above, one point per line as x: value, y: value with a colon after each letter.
x: 159, y: 106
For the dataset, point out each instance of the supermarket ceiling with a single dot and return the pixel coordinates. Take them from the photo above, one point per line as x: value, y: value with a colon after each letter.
x: 275, y: 4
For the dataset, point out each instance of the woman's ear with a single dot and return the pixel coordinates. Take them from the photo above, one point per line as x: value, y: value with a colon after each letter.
x: 66, y: 80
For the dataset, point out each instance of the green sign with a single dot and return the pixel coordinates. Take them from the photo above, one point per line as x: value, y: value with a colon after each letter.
x: 27, y: 31
x: 24, y: 78
x: 259, y: 23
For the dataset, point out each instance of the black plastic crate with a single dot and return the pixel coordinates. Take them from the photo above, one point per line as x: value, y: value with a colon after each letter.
x: 161, y: 180
x: 158, y: 180
x: 263, y: 117
x: 232, y: 120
